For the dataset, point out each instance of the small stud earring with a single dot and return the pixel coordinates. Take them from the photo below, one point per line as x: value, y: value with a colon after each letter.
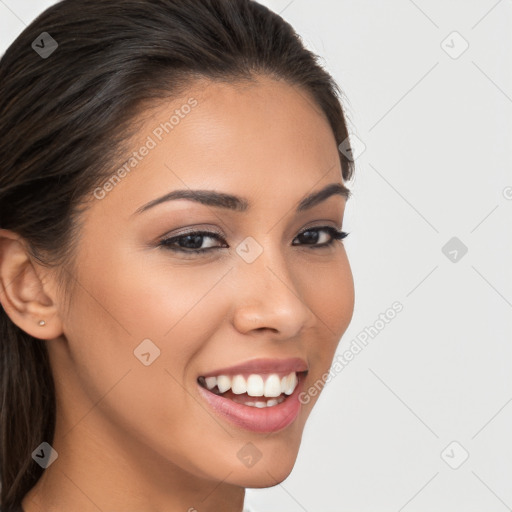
x: 42, y: 322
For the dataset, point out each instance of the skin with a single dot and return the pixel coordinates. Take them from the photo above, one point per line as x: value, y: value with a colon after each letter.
x: 137, y: 438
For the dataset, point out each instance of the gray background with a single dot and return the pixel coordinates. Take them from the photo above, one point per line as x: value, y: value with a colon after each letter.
x: 390, y: 432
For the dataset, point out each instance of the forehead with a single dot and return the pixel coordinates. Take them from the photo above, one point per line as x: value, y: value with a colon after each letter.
x: 257, y: 139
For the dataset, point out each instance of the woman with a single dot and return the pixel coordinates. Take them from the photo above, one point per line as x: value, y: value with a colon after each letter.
x: 172, y: 272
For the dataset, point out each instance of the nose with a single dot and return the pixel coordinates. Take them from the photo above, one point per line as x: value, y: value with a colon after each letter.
x: 268, y: 298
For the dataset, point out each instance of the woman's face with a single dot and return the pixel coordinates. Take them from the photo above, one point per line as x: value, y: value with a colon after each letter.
x: 148, y: 322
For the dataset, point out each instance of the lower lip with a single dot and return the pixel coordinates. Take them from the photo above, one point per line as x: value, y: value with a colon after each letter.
x: 266, y: 419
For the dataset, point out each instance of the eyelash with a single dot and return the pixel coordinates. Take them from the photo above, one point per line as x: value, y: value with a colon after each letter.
x: 167, y: 243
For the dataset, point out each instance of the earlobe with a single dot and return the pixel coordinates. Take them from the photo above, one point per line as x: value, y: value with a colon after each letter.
x: 22, y: 291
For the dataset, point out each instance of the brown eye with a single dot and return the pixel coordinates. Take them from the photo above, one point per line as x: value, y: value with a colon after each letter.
x: 313, y: 236
x: 192, y: 242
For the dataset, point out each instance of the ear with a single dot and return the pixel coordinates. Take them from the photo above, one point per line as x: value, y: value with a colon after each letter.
x: 25, y: 296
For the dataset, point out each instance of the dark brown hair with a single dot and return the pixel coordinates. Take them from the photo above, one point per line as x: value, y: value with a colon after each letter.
x: 63, y: 122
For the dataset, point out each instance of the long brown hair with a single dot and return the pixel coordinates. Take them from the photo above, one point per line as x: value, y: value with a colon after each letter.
x: 63, y: 120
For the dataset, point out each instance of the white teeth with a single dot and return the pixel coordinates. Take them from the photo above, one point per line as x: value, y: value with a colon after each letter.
x: 223, y: 383
x: 238, y: 386
x: 211, y: 382
x: 289, y: 383
x: 259, y: 404
x: 292, y: 383
x: 271, y: 386
x: 284, y: 384
x: 255, y: 386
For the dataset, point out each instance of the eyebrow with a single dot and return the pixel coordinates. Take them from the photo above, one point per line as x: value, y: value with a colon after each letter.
x: 240, y: 204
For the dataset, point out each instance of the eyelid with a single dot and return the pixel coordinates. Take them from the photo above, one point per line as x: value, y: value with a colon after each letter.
x: 319, y: 226
x: 192, y: 230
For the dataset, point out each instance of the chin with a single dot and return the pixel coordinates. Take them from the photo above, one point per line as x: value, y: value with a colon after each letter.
x: 263, y: 477
x: 275, y: 464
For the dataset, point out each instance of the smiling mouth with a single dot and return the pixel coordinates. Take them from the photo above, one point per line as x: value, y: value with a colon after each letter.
x: 253, y: 390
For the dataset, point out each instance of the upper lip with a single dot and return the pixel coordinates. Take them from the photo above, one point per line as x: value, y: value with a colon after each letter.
x: 262, y: 366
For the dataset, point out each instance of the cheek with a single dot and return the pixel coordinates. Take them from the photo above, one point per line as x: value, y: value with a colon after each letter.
x: 179, y: 310
x: 125, y: 299
x: 330, y: 295
x: 153, y: 298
